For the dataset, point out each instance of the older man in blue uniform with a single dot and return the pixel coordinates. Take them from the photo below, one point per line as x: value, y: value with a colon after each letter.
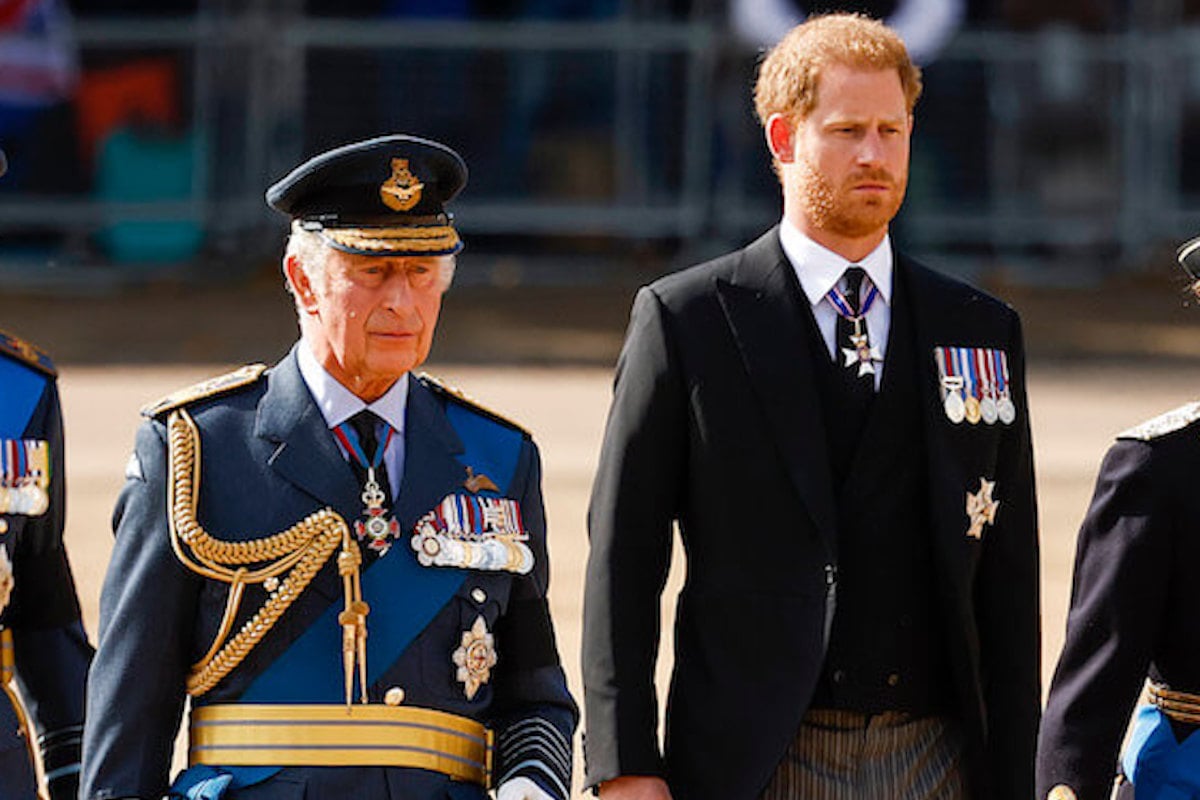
x: 341, y: 562
x: 42, y: 642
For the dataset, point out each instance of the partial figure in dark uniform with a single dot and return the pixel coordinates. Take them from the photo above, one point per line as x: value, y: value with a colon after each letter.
x: 42, y: 641
x: 1134, y: 615
x: 340, y: 561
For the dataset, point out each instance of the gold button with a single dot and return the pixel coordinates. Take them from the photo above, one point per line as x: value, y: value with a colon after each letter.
x: 394, y: 696
x: 893, y: 680
x: 3, y: 526
x: 478, y: 595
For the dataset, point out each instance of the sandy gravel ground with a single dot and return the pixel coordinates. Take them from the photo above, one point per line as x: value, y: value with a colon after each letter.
x: 1076, y: 411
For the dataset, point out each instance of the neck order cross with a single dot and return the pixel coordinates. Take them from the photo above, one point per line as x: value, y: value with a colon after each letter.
x: 357, y: 435
x: 860, y: 351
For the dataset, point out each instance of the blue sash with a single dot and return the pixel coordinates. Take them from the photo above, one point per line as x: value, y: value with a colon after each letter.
x: 22, y: 389
x: 310, y: 670
x: 1159, y: 767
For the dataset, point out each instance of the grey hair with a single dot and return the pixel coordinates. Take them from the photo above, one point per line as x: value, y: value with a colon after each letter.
x: 311, y: 250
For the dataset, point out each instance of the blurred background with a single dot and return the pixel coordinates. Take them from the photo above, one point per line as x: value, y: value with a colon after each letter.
x: 1057, y: 143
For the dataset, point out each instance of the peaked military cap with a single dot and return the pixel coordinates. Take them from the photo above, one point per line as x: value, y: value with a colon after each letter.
x: 1188, y: 255
x: 383, y: 196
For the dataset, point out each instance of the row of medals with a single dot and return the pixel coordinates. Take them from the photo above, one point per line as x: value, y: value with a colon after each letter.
x: 989, y: 409
x: 31, y: 500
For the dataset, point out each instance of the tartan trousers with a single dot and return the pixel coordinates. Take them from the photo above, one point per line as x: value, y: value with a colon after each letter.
x: 847, y: 755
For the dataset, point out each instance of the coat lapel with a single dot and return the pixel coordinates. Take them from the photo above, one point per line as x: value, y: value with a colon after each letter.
x: 940, y: 318
x: 763, y: 304
x: 305, y: 453
x: 431, y: 469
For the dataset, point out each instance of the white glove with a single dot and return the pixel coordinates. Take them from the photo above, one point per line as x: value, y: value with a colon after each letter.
x: 522, y: 789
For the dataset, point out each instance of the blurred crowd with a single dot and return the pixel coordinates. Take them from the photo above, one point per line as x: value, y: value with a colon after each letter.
x: 91, y: 117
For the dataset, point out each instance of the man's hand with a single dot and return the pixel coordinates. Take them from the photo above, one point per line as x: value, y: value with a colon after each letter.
x: 521, y: 789
x: 635, y: 787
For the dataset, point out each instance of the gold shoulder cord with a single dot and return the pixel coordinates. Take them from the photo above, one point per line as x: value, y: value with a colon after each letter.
x: 300, y: 551
x: 8, y: 671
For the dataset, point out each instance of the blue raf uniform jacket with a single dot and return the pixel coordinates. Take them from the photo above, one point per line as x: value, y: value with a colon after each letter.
x: 42, y: 637
x: 267, y: 461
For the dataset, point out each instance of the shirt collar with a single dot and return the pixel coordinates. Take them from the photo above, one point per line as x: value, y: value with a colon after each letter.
x: 338, y: 404
x: 819, y: 268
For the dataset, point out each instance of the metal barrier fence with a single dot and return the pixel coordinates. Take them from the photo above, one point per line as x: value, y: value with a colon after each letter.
x: 1030, y: 149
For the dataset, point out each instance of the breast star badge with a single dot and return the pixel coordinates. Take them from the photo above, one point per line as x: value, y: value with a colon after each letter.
x: 475, y: 657
x: 981, y: 508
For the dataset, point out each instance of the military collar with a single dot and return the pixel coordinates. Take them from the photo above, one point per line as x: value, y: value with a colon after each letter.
x: 338, y: 404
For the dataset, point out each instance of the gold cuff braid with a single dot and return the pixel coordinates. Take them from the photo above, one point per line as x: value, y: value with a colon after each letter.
x: 300, y: 551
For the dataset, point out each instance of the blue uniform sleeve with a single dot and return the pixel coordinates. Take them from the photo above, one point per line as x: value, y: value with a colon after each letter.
x: 535, y: 716
x: 1118, y: 598
x: 146, y: 604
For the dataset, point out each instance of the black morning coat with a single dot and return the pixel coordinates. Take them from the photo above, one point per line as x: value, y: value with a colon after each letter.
x: 716, y: 424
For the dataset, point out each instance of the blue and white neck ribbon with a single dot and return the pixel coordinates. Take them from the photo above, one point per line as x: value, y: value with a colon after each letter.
x: 863, y: 353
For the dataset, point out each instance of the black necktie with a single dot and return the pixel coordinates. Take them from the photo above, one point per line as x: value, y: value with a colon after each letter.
x: 857, y: 387
x: 859, y: 382
x: 366, y: 424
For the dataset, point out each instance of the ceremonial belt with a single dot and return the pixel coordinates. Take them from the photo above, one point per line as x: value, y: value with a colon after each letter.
x: 1179, y: 706
x: 238, y: 734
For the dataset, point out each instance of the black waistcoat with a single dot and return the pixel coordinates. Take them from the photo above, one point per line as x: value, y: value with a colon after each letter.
x: 886, y: 650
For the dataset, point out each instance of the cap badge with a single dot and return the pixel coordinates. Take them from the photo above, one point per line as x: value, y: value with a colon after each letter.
x: 402, y: 190
x: 981, y: 508
x: 475, y: 657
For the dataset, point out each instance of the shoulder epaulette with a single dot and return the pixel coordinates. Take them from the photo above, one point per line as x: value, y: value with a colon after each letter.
x: 1174, y: 420
x: 26, y: 353
x: 222, y: 384
x: 458, y: 396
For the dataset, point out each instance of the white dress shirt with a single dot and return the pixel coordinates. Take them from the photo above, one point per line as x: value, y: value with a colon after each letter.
x: 338, y: 404
x: 820, y: 269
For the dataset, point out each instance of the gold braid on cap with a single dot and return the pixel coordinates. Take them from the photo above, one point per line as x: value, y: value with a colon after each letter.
x: 413, y: 239
x: 300, y: 551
